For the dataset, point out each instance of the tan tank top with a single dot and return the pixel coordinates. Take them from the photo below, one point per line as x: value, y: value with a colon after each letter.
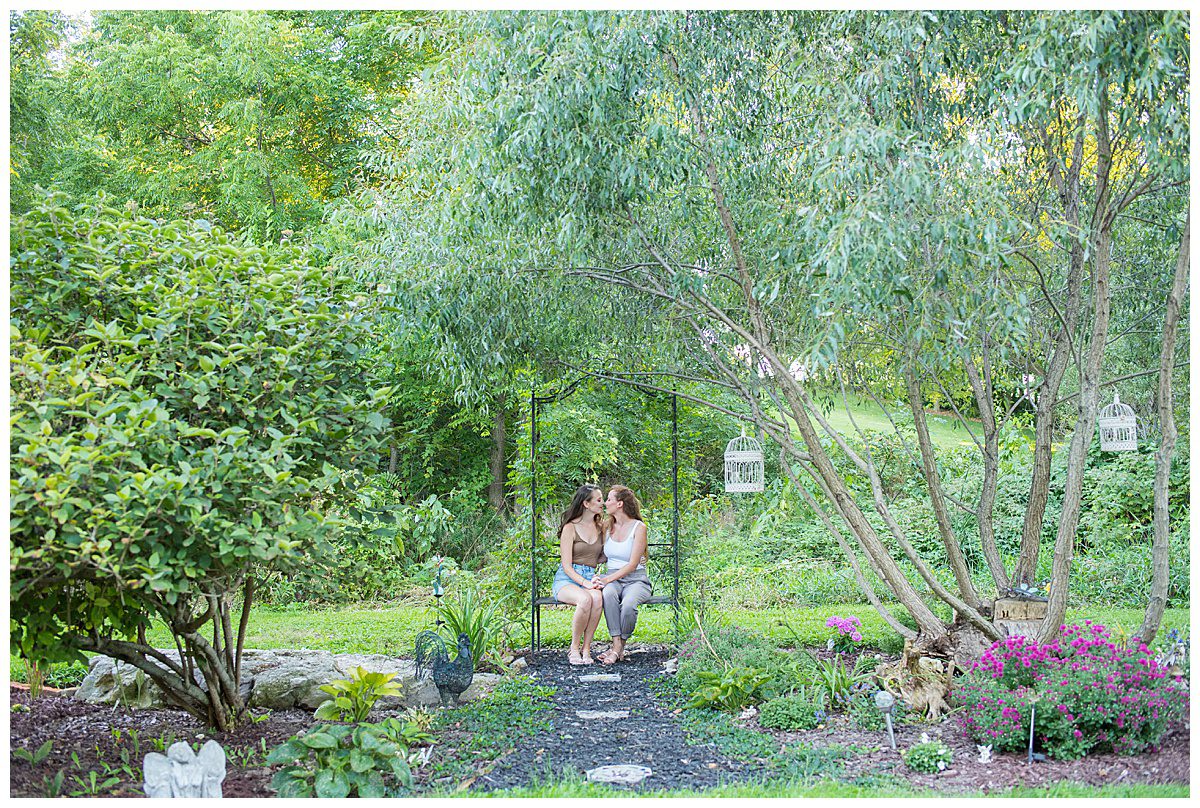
x: 585, y: 553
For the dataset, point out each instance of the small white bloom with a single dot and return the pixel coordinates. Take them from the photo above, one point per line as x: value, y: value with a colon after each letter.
x: 924, y: 737
x: 941, y: 765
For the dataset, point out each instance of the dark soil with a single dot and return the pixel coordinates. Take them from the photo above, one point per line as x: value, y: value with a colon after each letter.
x: 86, y: 740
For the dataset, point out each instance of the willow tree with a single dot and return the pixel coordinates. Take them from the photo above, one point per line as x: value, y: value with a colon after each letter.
x: 751, y: 203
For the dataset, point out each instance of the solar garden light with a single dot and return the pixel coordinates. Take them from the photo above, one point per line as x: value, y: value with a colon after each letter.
x: 885, y: 701
x: 438, y: 590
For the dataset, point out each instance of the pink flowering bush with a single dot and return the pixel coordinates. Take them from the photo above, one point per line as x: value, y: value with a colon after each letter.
x: 848, y: 632
x: 1090, y: 695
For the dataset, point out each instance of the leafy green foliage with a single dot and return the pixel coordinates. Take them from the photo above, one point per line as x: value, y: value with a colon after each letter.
x: 731, y: 689
x: 791, y: 713
x: 837, y: 681
x: 364, y: 760
x: 250, y: 118
x: 354, y: 698
x: 483, y: 730
x: 472, y: 613
x: 181, y: 405
x: 36, y: 756
x: 734, y: 647
x: 929, y: 757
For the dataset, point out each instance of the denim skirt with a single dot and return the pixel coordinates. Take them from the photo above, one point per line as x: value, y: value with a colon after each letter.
x: 561, y: 579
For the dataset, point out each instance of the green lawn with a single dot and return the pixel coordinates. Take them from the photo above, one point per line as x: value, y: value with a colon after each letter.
x: 391, y: 629
x: 944, y: 430
x: 385, y: 629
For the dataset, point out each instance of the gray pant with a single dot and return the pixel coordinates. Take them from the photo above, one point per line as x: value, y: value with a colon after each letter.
x: 621, y: 600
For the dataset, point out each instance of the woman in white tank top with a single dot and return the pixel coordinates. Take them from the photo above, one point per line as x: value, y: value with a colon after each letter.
x: 626, y: 584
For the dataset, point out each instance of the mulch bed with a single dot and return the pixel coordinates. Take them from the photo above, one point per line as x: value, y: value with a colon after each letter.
x: 1170, y: 764
x: 85, y: 740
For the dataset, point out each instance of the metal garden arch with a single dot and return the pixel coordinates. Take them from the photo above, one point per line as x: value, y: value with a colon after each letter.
x: 535, y: 603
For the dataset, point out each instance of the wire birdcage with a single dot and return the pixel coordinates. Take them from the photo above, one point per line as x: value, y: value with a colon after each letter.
x: 743, y: 466
x: 1118, y: 427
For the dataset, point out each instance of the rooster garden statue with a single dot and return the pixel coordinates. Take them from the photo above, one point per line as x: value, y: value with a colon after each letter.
x: 451, y: 677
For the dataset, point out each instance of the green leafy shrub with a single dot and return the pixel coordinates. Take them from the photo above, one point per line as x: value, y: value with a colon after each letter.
x: 364, y: 760
x: 729, y: 690
x: 181, y: 404
x: 381, y: 540
x: 469, y: 612
x: 354, y: 698
x: 928, y: 756
x: 791, y: 713
x: 736, y: 647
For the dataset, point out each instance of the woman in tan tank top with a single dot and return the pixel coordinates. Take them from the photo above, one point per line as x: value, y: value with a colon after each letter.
x: 580, y: 548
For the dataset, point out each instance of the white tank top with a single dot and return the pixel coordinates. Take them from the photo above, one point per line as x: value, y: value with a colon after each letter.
x: 618, y: 552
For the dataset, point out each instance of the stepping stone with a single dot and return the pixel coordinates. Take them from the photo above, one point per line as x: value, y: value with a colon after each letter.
x: 621, y: 774
x: 601, y: 677
x: 589, y: 714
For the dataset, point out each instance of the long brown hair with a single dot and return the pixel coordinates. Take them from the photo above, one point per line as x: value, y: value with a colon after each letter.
x: 633, y: 508
x: 575, y: 510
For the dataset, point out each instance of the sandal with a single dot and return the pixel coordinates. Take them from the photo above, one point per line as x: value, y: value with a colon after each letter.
x: 575, y: 658
x: 587, y: 657
x: 609, y: 657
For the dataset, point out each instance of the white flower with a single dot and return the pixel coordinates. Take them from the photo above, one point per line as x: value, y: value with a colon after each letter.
x: 924, y: 737
x: 941, y: 765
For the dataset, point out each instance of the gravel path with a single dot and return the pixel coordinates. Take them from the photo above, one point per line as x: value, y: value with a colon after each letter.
x: 650, y: 736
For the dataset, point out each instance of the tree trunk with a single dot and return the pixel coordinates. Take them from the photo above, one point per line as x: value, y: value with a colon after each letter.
x: 958, y: 563
x: 497, y: 464
x: 842, y: 499
x: 1047, y: 394
x: 1161, y: 549
x: 981, y: 386
x: 1089, y: 385
x: 393, y: 459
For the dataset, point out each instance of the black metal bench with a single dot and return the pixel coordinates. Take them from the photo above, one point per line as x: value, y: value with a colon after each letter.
x: 538, y: 603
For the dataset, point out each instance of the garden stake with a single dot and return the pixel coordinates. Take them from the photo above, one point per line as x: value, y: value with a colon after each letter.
x: 1033, y: 755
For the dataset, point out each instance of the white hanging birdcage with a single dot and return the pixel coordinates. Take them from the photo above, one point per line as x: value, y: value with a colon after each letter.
x: 743, y: 466
x: 1118, y: 427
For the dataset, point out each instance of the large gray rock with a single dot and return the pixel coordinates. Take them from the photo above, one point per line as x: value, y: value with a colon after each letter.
x: 110, y: 681
x: 288, y: 678
x: 282, y: 678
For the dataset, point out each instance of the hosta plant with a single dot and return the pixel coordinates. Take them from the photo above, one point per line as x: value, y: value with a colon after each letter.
x: 353, y: 698
x: 730, y: 690
x: 342, y: 760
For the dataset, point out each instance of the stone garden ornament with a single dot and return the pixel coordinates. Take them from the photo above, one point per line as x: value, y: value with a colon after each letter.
x: 183, y: 773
